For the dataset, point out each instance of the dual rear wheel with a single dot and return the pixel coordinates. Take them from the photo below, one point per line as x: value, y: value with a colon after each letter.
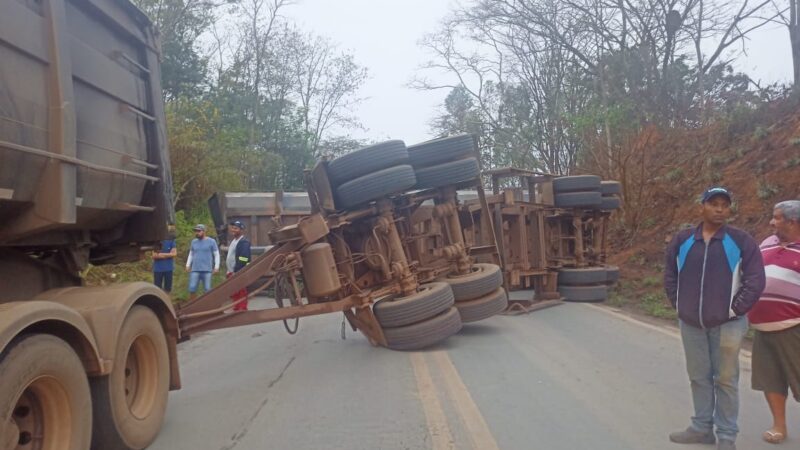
x: 44, y: 396
x: 48, y: 403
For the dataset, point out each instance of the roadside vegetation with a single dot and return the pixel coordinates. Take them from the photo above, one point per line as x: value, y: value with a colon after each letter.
x: 143, y: 270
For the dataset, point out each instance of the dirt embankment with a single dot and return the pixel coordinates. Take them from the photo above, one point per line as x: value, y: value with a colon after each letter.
x: 757, y: 158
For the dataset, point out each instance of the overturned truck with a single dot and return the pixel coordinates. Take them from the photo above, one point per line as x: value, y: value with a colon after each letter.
x: 357, y: 249
x: 547, y: 233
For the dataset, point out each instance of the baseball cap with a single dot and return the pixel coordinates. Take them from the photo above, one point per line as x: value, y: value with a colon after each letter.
x: 713, y: 192
x: 199, y: 227
x: 238, y: 223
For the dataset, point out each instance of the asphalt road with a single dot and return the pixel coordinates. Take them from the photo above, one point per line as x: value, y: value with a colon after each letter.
x: 569, y: 377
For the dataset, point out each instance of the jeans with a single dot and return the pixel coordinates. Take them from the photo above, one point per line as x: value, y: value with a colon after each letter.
x: 712, y: 361
x: 163, y: 280
x: 194, y: 279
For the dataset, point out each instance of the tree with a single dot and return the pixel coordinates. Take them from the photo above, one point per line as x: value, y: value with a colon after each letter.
x: 253, y: 108
x: 326, y: 85
x: 206, y: 156
x: 788, y: 14
x: 180, y: 23
x: 569, y: 54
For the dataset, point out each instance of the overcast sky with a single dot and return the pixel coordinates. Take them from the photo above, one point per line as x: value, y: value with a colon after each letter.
x: 383, y: 35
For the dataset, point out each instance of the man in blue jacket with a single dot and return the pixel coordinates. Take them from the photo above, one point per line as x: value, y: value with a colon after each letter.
x: 238, y: 257
x: 713, y: 276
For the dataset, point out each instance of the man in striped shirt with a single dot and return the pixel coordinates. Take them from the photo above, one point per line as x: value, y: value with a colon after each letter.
x: 776, y: 318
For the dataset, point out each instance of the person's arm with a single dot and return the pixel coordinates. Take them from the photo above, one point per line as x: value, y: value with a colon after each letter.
x: 753, y: 279
x: 244, y: 256
x: 216, y: 257
x: 173, y: 252
x: 189, y: 261
x: 671, y: 271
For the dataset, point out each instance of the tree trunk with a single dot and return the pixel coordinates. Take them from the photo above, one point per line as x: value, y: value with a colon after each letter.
x: 794, y: 38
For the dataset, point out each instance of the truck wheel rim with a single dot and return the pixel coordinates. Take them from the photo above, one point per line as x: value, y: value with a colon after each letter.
x: 141, y: 377
x: 42, y: 416
x: 472, y: 271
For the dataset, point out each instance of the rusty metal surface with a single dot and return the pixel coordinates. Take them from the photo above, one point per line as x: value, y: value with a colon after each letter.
x: 82, y: 142
x: 386, y: 247
x: 260, y: 212
x: 535, y: 238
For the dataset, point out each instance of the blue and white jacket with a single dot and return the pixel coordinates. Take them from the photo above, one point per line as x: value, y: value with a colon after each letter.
x: 710, y: 284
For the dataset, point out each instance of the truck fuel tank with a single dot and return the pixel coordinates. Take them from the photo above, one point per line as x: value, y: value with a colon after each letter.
x: 319, y: 270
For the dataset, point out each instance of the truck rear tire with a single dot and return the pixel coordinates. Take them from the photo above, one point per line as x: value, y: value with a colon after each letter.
x: 44, y: 396
x: 432, y: 299
x: 447, y: 173
x: 367, y: 160
x: 589, y: 199
x: 130, y: 402
x: 374, y: 186
x: 608, y: 203
x: 584, y: 294
x: 484, y: 307
x: 425, y: 333
x: 576, y: 183
x: 441, y: 150
x: 578, y: 277
x: 482, y: 280
x: 612, y: 274
x: 610, y: 187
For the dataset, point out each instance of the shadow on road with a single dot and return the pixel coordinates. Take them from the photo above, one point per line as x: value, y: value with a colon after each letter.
x: 477, y: 329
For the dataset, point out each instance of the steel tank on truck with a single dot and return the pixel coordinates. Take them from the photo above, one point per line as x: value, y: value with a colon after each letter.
x: 84, y: 178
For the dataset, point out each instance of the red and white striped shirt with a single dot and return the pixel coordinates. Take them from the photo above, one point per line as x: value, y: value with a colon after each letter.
x: 779, y: 305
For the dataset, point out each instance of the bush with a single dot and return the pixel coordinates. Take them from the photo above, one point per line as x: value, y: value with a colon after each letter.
x: 657, y: 305
x: 616, y: 299
x: 792, y: 162
x: 651, y: 281
x: 649, y: 222
x: 760, y: 133
x: 741, y: 151
x: 761, y: 165
x: 675, y: 174
x: 766, y: 190
x: 715, y: 176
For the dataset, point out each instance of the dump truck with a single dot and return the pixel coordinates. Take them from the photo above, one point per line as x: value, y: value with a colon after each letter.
x: 85, y: 179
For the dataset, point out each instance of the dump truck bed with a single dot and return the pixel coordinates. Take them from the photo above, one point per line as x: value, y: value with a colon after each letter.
x: 83, y: 155
x: 260, y: 212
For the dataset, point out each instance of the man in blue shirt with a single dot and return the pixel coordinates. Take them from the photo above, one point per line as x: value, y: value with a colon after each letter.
x: 164, y: 264
x: 203, y: 260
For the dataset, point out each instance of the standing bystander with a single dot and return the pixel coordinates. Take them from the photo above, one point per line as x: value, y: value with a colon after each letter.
x: 713, y: 275
x: 164, y: 262
x: 202, y: 261
x: 776, y: 318
x: 238, y: 257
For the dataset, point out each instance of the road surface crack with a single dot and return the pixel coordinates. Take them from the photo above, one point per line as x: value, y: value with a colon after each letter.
x: 236, y: 438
